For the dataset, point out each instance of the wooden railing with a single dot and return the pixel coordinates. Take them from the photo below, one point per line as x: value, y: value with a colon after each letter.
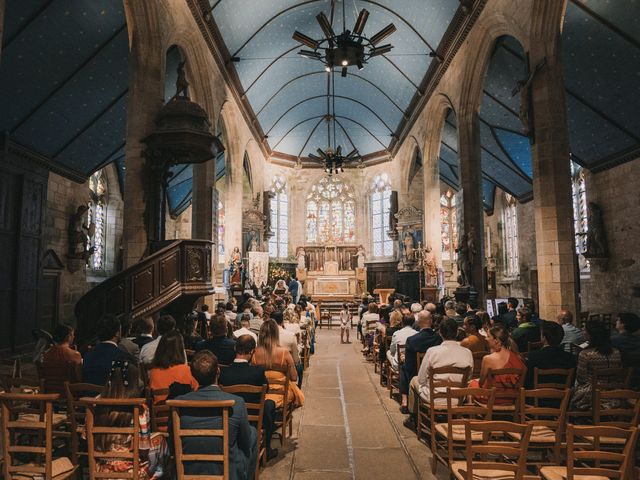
x: 174, y: 276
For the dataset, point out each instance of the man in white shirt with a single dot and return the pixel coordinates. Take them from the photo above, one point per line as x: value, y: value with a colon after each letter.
x: 244, y: 329
x: 400, y: 338
x: 572, y: 334
x: 448, y: 354
x: 166, y: 323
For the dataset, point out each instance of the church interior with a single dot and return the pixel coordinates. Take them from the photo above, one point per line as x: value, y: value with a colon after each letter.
x: 187, y: 186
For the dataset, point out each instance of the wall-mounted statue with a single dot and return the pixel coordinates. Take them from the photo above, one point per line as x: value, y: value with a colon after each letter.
x: 361, y: 256
x: 409, y: 247
x: 463, y: 263
x: 254, y: 243
x: 79, y: 234
x: 596, y: 237
x: 235, y: 266
x: 524, y: 89
x: 301, y: 258
x: 431, y: 268
x: 181, y: 82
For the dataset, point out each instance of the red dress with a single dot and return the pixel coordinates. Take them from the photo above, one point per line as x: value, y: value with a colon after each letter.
x: 503, y: 382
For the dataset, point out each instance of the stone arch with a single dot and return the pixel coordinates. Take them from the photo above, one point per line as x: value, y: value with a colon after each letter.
x: 412, y: 146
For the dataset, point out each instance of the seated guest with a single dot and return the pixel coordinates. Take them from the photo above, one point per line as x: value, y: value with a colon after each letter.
x: 243, y: 439
x: 530, y: 305
x: 526, y: 332
x: 599, y: 354
x: 395, y: 324
x: 246, y: 308
x: 509, y: 318
x: 551, y: 355
x: 421, y: 342
x: 124, y: 382
x: 447, y: 354
x: 125, y: 343
x: 191, y: 336
x: 245, y: 323
x: 372, y: 315
x: 400, y: 338
x: 268, y: 354
x: 221, y: 346
x: 416, y: 308
x: 204, y: 317
x: 170, y: 365
x: 97, y: 361
x: 502, y: 310
x: 501, y: 356
x: 290, y: 320
x: 461, y: 311
x: 61, y: 350
x: 144, y: 332
x: 572, y: 334
x: 474, y: 341
x: 450, y: 308
x: 485, y: 319
x: 627, y: 339
x: 240, y: 372
x: 290, y: 342
x: 166, y: 323
x: 229, y: 313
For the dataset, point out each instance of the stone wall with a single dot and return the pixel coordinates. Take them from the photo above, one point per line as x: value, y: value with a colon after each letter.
x: 614, y: 286
x: 180, y: 226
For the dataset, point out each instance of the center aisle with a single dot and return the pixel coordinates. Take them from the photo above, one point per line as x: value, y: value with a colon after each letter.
x: 349, y: 428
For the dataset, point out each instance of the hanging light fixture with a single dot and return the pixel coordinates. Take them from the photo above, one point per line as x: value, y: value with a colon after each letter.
x: 350, y: 48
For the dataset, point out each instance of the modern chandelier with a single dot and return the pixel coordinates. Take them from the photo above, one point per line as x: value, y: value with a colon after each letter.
x: 346, y: 49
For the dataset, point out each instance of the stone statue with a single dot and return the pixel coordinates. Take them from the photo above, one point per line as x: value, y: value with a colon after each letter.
x: 596, y: 237
x: 181, y: 82
x: 361, y: 257
x: 524, y: 89
x: 235, y: 266
x: 253, y: 241
x: 407, y: 241
x: 79, y: 234
x: 431, y: 268
x: 471, y: 243
x: 302, y: 259
x: 464, y: 266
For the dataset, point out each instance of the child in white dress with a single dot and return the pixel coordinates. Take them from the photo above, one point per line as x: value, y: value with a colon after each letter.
x: 345, y: 323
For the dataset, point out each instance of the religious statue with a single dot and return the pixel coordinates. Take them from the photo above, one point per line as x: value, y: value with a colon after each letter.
x: 301, y: 258
x: 463, y: 263
x: 79, y: 234
x: 235, y: 266
x: 253, y: 241
x: 431, y: 268
x: 471, y: 243
x: 181, y: 82
x: 524, y: 89
x: 407, y: 241
x: 361, y: 256
x: 596, y: 238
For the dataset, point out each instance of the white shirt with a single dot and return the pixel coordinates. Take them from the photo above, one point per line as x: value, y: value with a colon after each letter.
x: 245, y: 331
x: 399, y: 338
x: 292, y: 327
x: 369, y: 317
x: 231, y: 316
x: 289, y: 341
x: 148, y: 351
x: 447, y: 354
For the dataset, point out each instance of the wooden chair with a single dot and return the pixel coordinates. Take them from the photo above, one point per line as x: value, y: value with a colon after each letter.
x: 427, y: 410
x: 603, y: 379
x: 255, y: 412
x: 38, y: 429
x: 499, y: 456
x: 452, y: 433
x: 384, y: 364
x: 624, y: 414
x: 553, y: 377
x: 76, y: 413
x: 584, y: 463
x: 393, y: 377
x: 281, y: 388
x: 179, y: 433
x: 545, y: 410
x: 93, y: 432
x: 16, y: 366
x: 18, y: 384
x: 159, y: 410
x: 583, y: 318
x: 507, y: 396
x: 477, y: 363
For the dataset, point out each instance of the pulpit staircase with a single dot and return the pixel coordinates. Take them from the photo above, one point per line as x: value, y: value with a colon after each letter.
x: 171, y: 280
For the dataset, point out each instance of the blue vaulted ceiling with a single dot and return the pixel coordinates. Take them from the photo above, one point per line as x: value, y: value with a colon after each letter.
x: 287, y: 92
x: 64, y: 80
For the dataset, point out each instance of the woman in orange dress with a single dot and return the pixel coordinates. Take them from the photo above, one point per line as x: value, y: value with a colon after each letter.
x: 170, y: 365
x: 270, y: 354
x: 501, y: 356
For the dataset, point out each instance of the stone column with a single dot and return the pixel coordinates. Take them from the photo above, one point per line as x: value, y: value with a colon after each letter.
x: 233, y: 200
x: 203, y: 209
x: 471, y: 184
x: 146, y: 87
x: 431, y: 208
x: 555, y: 253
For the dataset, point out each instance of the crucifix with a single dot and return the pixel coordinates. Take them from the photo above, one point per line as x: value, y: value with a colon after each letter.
x: 526, y: 107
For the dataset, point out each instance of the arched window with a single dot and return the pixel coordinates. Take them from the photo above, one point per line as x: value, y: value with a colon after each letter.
x: 96, y: 219
x: 331, y: 212
x: 580, y: 221
x: 448, y: 225
x: 380, y: 201
x: 220, y: 232
x: 279, y: 242
x: 510, y: 232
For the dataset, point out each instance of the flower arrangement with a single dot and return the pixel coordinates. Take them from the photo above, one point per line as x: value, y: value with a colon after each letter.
x: 277, y: 272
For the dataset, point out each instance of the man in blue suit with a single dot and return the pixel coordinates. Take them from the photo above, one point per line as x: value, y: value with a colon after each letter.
x: 243, y: 439
x: 293, y: 289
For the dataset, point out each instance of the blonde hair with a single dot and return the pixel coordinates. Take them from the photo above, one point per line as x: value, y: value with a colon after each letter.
x: 269, y: 339
x: 395, y: 318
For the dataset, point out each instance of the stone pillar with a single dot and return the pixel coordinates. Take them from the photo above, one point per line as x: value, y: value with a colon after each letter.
x: 146, y: 87
x: 233, y: 199
x: 555, y: 252
x: 471, y: 184
x: 431, y: 208
x: 203, y: 209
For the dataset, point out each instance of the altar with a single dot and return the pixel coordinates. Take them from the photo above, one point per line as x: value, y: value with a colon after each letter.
x: 332, y: 271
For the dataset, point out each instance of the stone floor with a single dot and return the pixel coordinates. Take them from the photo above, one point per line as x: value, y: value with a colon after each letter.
x: 349, y: 428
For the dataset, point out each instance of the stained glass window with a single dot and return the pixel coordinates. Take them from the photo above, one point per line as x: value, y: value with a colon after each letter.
x: 331, y: 212
x: 96, y: 219
x: 380, y: 207
x: 220, y: 232
x: 279, y: 242
x: 580, y: 219
x: 510, y: 233
x: 448, y: 225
